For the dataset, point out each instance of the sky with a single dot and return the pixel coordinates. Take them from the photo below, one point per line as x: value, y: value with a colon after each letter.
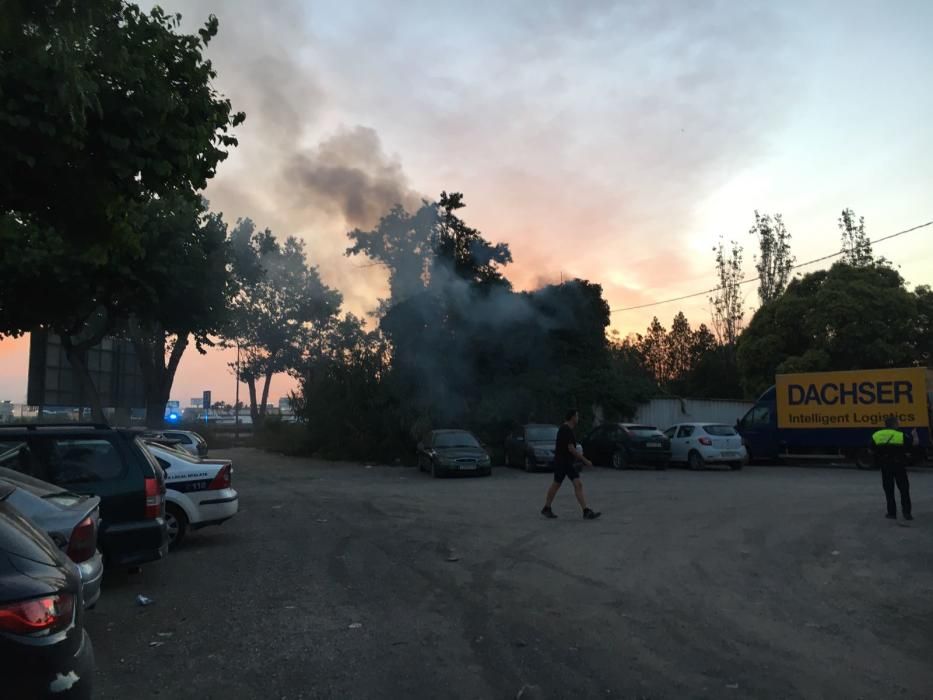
x: 612, y: 141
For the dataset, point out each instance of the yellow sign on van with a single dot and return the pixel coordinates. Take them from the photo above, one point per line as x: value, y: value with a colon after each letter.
x: 859, y: 399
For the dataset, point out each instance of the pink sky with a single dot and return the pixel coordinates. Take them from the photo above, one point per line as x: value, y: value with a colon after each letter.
x: 610, y: 141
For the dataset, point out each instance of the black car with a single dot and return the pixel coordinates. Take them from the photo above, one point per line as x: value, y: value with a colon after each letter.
x: 111, y: 463
x: 445, y: 452
x: 621, y: 445
x: 44, y: 649
x: 531, y: 447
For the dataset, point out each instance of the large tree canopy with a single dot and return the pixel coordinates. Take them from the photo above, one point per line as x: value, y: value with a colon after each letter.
x: 103, y: 107
x: 848, y: 317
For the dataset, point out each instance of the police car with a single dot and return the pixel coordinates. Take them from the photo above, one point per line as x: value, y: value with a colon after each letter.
x: 198, y: 492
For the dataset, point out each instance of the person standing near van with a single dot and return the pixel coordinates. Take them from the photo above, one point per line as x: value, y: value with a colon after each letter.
x: 889, y: 445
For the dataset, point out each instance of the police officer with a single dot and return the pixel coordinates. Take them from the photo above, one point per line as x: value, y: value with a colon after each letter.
x: 891, y: 456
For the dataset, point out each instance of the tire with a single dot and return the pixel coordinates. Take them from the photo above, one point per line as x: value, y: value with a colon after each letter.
x: 695, y: 461
x: 864, y: 459
x: 618, y: 460
x: 735, y: 466
x: 530, y: 464
x: 176, y: 522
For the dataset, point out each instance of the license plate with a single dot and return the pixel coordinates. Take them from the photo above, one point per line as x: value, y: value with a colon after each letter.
x: 653, y: 444
x: 466, y: 467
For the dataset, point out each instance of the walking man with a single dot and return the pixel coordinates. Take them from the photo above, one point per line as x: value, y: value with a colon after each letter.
x: 566, y: 454
x: 891, y: 457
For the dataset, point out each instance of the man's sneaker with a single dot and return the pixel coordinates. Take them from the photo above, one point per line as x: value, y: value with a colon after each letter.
x: 590, y: 514
x: 547, y: 512
x: 908, y: 516
x: 891, y: 516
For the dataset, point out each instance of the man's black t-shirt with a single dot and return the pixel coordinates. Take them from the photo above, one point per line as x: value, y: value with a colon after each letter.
x: 565, y: 437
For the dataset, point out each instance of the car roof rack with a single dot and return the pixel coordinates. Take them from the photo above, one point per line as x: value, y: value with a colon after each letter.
x: 35, y: 426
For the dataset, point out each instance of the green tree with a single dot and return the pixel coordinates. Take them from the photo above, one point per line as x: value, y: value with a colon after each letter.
x: 680, y: 352
x: 280, y: 305
x: 856, y: 246
x: 847, y: 317
x: 105, y: 108
x: 183, y: 286
x: 727, y: 302
x: 774, y: 261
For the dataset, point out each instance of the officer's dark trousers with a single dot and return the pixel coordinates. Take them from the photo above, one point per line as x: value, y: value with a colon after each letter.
x: 891, y: 475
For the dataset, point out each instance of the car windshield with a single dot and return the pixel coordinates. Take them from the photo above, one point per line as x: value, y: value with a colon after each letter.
x: 719, y: 430
x: 176, y: 452
x: 642, y: 429
x: 541, y: 433
x: 463, y: 439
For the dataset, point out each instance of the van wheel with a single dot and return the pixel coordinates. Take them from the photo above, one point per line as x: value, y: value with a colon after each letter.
x: 864, y: 459
x: 176, y: 522
x: 618, y: 459
x: 695, y: 461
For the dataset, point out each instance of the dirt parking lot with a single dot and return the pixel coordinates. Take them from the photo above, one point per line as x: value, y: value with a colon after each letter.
x: 345, y: 581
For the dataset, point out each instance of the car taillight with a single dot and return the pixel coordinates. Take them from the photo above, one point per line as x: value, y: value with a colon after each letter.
x: 38, y: 618
x: 223, y: 479
x: 706, y: 441
x: 154, y: 498
x: 83, y: 542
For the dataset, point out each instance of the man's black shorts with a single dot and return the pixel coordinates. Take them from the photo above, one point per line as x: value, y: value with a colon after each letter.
x: 565, y: 471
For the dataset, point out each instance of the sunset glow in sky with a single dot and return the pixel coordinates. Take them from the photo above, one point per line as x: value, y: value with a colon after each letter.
x: 614, y: 141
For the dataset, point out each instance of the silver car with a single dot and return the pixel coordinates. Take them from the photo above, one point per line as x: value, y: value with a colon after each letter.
x: 187, y: 440
x: 71, y: 520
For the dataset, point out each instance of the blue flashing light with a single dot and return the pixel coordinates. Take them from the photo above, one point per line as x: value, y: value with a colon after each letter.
x: 173, y: 417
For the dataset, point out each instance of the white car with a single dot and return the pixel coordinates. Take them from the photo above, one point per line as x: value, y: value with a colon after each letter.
x: 699, y: 444
x: 188, y: 440
x: 198, y: 491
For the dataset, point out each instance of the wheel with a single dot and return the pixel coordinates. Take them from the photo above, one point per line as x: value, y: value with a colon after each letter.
x: 530, y: 464
x: 735, y: 466
x: 176, y: 523
x: 695, y: 461
x: 618, y: 460
x: 865, y: 459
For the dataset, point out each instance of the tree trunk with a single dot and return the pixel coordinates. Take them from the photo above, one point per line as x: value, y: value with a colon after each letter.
x: 157, y: 370
x: 265, y: 395
x: 77, y: 360
x: 253, y: 409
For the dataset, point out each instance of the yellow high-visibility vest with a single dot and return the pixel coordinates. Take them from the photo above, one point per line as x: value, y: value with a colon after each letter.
x: 888, y: 436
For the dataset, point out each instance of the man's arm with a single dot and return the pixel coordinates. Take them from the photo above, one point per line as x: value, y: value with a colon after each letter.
x: 578, y: 453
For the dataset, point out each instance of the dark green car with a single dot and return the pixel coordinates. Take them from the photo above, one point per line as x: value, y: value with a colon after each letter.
x: 444, y: 452
x: 110, y: 463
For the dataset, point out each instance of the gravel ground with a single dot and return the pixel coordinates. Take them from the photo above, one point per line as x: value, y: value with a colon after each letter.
x: 345, y: 581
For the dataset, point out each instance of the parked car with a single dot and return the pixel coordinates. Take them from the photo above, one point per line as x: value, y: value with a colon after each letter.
x: 444, y: 452
x: 531, y: 447
x: 199, y: 492
x: 97, y: 460
x: 70, y: 519
x: 622, y: 445
x: 187, y: 440
x: 699, y: 444
x: 45, y: 651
